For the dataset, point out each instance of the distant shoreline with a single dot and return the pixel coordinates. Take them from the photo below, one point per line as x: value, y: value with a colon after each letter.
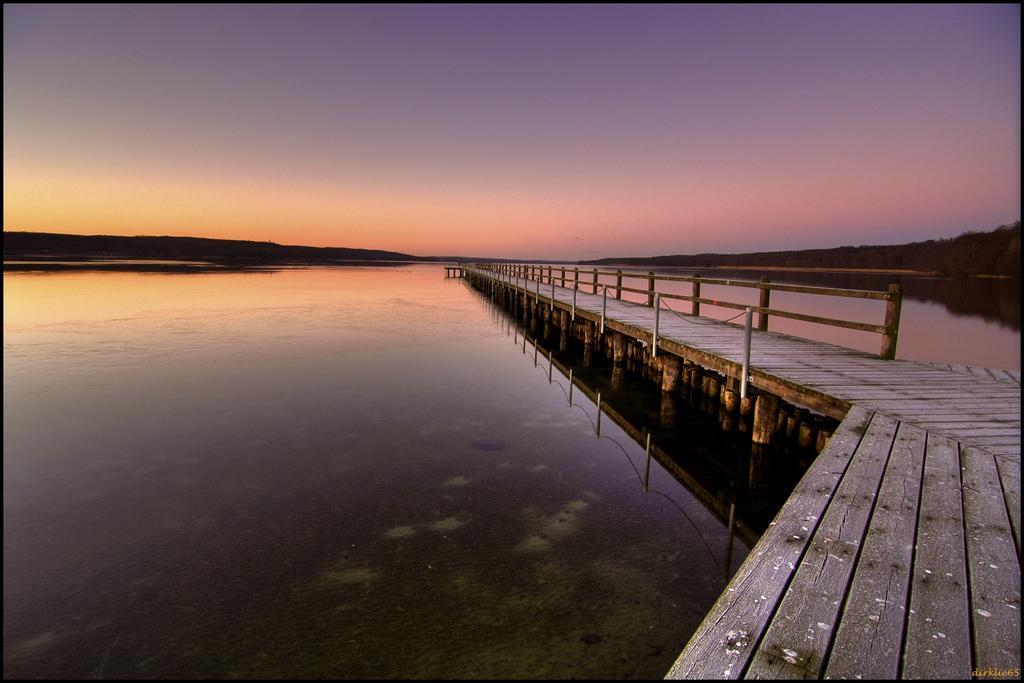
x: 993, y: 254
x: 809, y: 269
x: 59, y: 264
x: 113, y: 264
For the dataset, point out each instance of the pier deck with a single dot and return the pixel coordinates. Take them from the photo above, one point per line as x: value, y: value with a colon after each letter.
x: 897, y: 555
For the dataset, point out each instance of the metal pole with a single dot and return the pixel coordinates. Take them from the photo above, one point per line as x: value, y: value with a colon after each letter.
x: 731, y: 533
x: 599, y: 414
x: 534, y: 353
x: 746, y: 355
x: 604, y: 307
x: 657, y: 320
x: 550, y: 354
x: 570, y: 386
x: 647, y: 470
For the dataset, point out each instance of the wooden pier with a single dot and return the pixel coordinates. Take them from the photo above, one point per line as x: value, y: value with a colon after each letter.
x: 898, y: 553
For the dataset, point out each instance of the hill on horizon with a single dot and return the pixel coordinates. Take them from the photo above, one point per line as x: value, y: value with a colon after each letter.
x: 996, y: 252
x: 48, y: 245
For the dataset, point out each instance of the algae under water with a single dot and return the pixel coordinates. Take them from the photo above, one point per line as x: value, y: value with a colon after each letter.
x: 324, y: 472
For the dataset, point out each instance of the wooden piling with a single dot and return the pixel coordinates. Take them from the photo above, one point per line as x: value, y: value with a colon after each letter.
x: 746, y: 413
x: 618, y: 347
x: 807, y: 434
x: 696, y: 380
x: 714, y: 392
x: 822, y: 440
x: 780, y: 423
x: 766, y: 417
x: 670, y: 367
x: 730, y: 406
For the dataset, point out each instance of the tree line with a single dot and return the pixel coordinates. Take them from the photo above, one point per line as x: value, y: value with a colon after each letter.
x: 996, y: 252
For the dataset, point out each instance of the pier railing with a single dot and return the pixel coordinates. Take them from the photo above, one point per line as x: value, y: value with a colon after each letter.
x: 584, y: 279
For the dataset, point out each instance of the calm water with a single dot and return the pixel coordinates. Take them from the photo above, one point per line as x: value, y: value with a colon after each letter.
x: 340, y: 472
x: 359, y: 472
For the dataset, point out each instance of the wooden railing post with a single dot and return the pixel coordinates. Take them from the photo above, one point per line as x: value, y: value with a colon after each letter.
x: 575, y: 278
x: 550, y: 280
x: 595, y: 280
x: 766, y: 296
x: 563, y: 276
x: 892, y: 321
x: 650, y: 288
x: 696, y: 294
x: 618, y: 284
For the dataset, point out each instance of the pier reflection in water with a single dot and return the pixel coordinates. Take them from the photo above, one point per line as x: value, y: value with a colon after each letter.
x: 744, y: 486
x: 329, y: 473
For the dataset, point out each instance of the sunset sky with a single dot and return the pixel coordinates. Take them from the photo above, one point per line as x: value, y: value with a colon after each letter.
x: 514, y: 131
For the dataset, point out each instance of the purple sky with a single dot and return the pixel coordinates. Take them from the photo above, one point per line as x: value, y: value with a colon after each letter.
x: 519, y: 131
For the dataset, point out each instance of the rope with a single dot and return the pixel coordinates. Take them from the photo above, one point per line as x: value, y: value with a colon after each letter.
x: 695, y: 321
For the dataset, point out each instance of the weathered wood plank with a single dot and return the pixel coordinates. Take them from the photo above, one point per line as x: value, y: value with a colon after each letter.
x: 870, y: 635
x: 991, y: 558
x: 938, y: 626
x: 729, y: 634
x: 797, y: 641
x: 1009, y: 479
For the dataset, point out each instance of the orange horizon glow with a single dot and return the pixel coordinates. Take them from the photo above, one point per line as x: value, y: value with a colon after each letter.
x: 623, y: 141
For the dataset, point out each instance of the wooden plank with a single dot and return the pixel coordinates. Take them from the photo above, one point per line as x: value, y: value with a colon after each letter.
x: 882, y: 393
x: 938, y: 626
x: 797, y: 641
x: 729, y: 634
x: 992, y: 564
x: 981, y: 432
x: 952, y: 421
x: 1009, y: 478
x: 839, y: 373
x: 870, y: 634
x: 996, y: 440
x: 967, y: 403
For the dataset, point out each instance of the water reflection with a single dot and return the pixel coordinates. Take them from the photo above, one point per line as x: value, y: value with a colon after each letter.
x: 743, y: 487
x: 322, y: 473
